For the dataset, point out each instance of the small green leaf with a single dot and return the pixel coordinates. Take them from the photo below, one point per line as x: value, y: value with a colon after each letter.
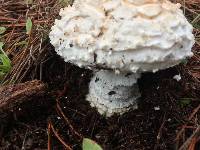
x: 185, y: 102
x: 5, y: 64
x: 197, y: 25
x: 21, y: 43
x: 1, y: 75
x: 1, y: 46
x: 2, y: 30
x: 65, y: 2
x: 29, y: 25
x: 184, y: 61
x: 89, y: 144
x: 29, y: 2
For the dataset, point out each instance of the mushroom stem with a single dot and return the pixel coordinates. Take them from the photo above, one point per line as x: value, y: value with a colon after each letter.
x: 113, y: 93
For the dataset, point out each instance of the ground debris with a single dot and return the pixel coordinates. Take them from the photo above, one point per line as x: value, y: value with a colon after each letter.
x: 16, y: 99
x: 13, y: 95
x: 34, y: 58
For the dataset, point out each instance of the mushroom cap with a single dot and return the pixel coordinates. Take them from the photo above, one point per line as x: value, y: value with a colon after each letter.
x: 123, y: 35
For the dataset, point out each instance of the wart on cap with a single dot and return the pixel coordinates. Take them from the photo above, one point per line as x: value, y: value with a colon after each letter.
x: 126, y: 36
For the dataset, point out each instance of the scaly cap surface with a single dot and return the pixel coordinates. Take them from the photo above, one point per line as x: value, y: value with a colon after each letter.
x: 124, y: 35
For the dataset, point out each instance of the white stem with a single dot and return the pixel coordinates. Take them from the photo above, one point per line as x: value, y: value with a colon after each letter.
x: 113, y: 93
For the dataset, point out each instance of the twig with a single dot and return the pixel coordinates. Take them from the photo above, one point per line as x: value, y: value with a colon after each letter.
x: 194, y: 112
x: 59, y: 109
x: 49, y: 136
x: 23, y: 144
x: 192, y: 145
x: 160, y: 132
x: 13, y: 95
x: 190, y: 117
x: 59, y: 138
x: 191, y: 141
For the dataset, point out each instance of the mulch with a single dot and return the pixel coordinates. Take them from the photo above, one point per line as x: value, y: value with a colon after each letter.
x: 167, y: 118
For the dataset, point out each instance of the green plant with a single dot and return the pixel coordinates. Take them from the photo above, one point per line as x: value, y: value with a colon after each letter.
x: 89, y: 144
x: 65, y: 3
x: 28, y: 2
x: 185, y: 102
x: 29, y: 26
x: 5, y: 64
x: 2, y: 30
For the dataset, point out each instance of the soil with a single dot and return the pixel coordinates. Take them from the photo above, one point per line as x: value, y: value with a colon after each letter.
x: 168, y: 111
x: 161, y: 114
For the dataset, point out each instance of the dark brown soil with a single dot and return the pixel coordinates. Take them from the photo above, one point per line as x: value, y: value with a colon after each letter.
x: 168, y: 114
x: 145, y: 128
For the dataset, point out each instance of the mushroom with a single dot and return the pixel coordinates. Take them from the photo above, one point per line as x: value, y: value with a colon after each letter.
x: 119, y: 40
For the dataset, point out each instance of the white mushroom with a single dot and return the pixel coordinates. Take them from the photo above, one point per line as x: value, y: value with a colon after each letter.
x: 124, y: 36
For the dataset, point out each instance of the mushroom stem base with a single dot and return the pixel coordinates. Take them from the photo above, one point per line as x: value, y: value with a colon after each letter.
x: 113, y: 93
